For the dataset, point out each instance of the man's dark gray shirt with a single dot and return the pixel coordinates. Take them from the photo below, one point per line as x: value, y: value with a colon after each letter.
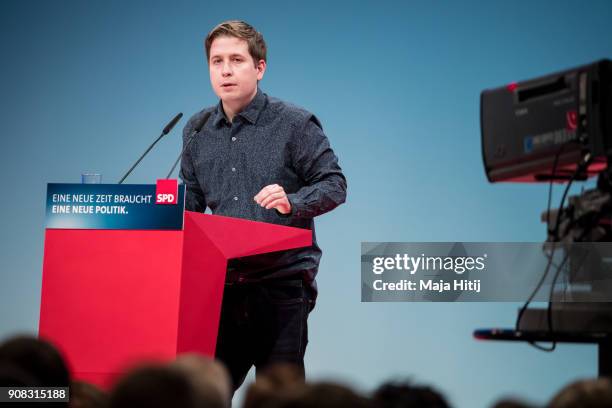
x: 269, y: 142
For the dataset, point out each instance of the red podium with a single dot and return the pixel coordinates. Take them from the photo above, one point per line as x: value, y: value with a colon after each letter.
x: 112, y: 298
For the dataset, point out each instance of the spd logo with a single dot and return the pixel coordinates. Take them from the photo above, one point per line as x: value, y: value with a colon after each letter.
x: 166, y: 191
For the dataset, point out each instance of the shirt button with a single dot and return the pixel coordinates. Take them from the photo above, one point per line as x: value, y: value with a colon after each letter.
x: 235, y: 198
x: 233, y: 169
x: 233, y: 138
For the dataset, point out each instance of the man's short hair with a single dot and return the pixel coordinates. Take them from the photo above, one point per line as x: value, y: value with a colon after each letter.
x: 588, y: 393
x: 405, y: 394
x: 209, y: 377
x: 154, y: 386
x: 38, y: 358
x: 242, y: 30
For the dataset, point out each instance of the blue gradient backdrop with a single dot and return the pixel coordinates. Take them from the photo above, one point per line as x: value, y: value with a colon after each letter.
x: 86, y: 86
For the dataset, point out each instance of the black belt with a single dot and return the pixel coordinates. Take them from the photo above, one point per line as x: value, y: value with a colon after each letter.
x: 236, y: 278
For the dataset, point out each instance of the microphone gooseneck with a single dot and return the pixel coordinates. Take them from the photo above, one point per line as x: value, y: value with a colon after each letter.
x: 166, y: 130
x: 196, y: 130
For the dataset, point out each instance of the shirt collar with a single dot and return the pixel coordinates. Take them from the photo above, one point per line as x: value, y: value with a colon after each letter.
x: 250, y: 112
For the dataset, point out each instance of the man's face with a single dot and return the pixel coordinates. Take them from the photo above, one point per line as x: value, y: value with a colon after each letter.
x: 233, y: 74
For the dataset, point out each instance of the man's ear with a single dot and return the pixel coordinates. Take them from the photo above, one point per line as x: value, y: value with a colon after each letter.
x: 261, y: 69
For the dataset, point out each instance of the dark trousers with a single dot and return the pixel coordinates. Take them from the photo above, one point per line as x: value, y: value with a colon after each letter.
x: 261, y: 324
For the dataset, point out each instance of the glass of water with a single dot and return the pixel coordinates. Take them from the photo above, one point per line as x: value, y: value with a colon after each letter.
x: 91, y: 178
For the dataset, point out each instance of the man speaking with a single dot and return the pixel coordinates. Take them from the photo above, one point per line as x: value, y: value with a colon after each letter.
x: 256, y: 157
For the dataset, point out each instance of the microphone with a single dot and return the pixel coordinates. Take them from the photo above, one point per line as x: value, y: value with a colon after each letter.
x: 199, y: 125
x: 173, y: 122
x: 166, y: 130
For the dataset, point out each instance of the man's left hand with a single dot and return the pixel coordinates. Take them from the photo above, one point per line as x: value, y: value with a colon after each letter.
x: 274, y: 196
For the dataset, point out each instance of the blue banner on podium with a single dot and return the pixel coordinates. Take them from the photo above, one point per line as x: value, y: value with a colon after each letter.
x: 115, y: 206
